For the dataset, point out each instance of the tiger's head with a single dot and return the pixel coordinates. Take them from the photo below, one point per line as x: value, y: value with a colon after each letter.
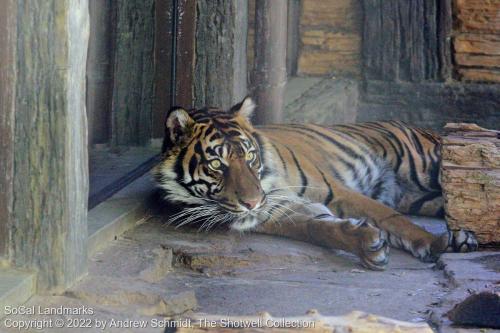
x: 214, y: 158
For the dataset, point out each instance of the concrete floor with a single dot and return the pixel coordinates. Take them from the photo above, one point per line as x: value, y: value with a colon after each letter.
x: 154, y: 271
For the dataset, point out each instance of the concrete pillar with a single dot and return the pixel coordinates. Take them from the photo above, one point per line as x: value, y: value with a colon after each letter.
x: 270, y: 59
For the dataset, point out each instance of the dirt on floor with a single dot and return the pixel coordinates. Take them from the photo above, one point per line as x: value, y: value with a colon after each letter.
x: 154, y: 272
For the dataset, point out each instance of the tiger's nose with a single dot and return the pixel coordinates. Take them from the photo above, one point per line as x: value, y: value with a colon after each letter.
x: 250, y: 203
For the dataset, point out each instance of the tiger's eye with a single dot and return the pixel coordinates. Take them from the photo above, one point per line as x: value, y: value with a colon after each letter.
x: 215, y: 164
x: 250, y: 156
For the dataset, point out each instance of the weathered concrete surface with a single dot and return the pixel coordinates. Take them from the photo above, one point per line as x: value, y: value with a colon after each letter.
x: 155, y: 271
x: 321, y: 101
x: 467, y: 274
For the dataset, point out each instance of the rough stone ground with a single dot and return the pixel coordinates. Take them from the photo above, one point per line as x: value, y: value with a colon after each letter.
x: 156, y: 271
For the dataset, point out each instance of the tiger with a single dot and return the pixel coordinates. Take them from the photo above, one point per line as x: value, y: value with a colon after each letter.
x: 344, y: 187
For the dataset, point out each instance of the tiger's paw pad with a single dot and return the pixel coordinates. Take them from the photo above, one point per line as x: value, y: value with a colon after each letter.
x: 452, y: 241
x: 461, y: 241
x: 374, y: 249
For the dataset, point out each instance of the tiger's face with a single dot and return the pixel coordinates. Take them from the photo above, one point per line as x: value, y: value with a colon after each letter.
x: 212, y: 158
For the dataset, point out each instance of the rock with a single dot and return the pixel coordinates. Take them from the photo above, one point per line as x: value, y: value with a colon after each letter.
x: 481, y: 310
x: 329, y: 101
x: 470, y: 178
x: 482, y: 75
x: 355, y: 322
x: 476, y: 41
x: 477, y: 15
x: 160, y: 266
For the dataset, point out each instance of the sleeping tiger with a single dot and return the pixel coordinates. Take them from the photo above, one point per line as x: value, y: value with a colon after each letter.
x: 344, y: 187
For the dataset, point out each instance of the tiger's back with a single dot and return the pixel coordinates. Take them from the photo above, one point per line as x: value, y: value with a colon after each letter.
x: 391, y: 162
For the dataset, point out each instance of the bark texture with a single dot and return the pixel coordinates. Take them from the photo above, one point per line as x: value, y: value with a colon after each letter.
x: 407, y: 40
x: 51, y: 176
x: 133, y: 72
x: 220, y: 67
x: 471, y: 180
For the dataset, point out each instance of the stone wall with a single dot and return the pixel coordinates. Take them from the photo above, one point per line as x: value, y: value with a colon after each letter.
x: 408, y: 68
x: 330, y: 38
x: 476, y: 41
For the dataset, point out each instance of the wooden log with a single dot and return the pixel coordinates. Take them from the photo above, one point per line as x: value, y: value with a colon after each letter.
x: 313, y: 322
x: 221, y: 57
x: 470, y: 177
x: 270, y: 59
x: 49, y: 230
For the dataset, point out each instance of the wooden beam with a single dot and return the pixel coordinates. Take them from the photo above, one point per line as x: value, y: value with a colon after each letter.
x: 50, y: 185
x: 8, y: 40
x: 185, y: 53
x: 100, y: 71
x: 133, y: 72
x: 270, y: 59
x: 221, y: 64
x: 292, y: 48
x: 163, y: 59
x: 407, y: 40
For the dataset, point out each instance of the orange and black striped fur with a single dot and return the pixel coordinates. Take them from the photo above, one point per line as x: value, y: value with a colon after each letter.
x: 343, y: 186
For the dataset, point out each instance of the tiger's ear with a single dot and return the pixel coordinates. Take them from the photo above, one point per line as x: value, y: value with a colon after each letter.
x: 179, y: 125
x: 245, y: 108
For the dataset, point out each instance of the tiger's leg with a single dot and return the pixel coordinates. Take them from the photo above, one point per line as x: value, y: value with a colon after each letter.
x: 401, y: 232
x: 351, y: 235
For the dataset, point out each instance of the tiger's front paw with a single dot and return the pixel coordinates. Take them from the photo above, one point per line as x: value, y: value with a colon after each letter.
x: 461, y: 241
x: 456, y: 241
x: 373, y: 246
x: 450, y: 241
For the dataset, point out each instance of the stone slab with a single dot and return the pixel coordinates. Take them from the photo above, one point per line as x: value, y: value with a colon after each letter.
x: 328, y: 101
x: 123, y: 211
x: 467, y: 274
x: 16, y: 287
